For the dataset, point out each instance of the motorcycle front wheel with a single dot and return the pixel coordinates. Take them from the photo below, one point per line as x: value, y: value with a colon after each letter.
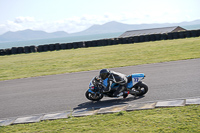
x: 93, y: 97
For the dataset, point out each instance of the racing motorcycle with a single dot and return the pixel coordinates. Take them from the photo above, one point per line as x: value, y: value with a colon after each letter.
x: 135, y: 87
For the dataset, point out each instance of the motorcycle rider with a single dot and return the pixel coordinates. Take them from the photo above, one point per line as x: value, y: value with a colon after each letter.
x: 114, y: 77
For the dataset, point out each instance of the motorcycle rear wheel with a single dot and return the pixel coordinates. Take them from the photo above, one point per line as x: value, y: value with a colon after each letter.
x: 142, y: 88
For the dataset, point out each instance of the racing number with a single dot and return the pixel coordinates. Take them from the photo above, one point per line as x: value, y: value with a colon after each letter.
x: 136, y: 79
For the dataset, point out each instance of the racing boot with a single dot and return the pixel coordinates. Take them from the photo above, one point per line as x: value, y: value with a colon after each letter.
x: 125, y: 94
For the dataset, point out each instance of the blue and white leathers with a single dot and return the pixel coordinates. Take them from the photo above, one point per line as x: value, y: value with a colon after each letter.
x: 135, y: 79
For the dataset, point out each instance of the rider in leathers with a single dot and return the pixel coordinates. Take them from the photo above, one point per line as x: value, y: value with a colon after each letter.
x: 114, y: 77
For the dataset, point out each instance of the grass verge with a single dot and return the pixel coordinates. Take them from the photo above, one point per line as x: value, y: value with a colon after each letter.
x: 94, y: 58
x: 175, y: 119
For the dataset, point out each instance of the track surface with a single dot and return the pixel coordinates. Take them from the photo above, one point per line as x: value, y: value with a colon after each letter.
x: 169, y: 80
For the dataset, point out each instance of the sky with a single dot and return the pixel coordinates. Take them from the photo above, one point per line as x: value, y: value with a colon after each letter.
x: 77, y: 15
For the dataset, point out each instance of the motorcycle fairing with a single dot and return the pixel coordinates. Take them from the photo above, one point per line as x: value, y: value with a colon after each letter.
x: 136, y: 77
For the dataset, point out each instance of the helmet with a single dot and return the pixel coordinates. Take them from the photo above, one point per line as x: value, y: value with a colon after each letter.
x: 104, y: 73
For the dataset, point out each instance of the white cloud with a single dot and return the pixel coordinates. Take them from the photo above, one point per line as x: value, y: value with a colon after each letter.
x: 24, y: 19
x: 20, y: 23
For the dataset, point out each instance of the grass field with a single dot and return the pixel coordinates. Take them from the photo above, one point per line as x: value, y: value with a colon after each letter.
x: 94, y: 58
x: 173, y: 120
x: 177, y: 119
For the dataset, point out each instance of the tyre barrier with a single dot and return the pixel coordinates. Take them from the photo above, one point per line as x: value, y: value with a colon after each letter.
x: 182, y: 34
x: 198, y: 32
x: 130, y: 40
x: 123, y: 40
x: 108, y: 41
x: 8, y: 51
x: 115, y: 41
x: 13, y: 50
x: 147, y: 38
x: 63, y: 46
x: 57, y: 46
x: 157, y: 37
x: 136, y: 39
x: 77, y: 45
x: 2, y: 52
x: 101, y: 42
x: 152, y: 38
x: 195, y: 33
x: 46, y: 48
x: 33, y: 49
x: 71, y: 45
x: 20, y: 50
x: 93, y: 43
x: 188, y: 34
x: 175, y: 35
x: 27, y: 49
x: 141, y: 38
x: 40, y: 48
x: 51, y: 47
x: 170, y: 36
x: 164, y: 37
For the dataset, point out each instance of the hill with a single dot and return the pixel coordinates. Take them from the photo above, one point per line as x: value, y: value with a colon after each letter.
x: 113, y: 26
x: 30, y: 35
x: 110, y: 27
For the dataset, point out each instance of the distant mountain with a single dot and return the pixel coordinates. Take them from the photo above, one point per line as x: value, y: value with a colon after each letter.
x: 110, y: 27
x: 113, y: 26
x: 30, y: 35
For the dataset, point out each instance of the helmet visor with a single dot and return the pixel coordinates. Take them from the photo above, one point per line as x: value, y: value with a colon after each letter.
x: 103, y: 76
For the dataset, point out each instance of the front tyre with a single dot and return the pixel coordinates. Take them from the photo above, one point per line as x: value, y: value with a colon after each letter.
x: 93, y: 97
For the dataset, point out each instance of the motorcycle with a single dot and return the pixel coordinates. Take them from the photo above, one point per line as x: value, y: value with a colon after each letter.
x: 135, y: 87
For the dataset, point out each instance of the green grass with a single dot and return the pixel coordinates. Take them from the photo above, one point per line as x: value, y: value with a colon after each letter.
x: 94, y: 58
x: 177, y: 119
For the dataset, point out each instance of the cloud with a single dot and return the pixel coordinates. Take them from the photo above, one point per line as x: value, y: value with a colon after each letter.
x: 24, y: 19
x: 19, y: 23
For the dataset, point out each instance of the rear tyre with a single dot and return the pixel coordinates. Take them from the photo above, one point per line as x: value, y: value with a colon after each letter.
x: 141, y: 88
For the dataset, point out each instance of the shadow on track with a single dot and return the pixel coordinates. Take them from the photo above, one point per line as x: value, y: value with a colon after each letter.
x: 106, y: 103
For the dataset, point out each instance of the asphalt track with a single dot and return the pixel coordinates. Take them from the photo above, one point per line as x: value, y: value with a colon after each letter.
x: 54, y: 93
